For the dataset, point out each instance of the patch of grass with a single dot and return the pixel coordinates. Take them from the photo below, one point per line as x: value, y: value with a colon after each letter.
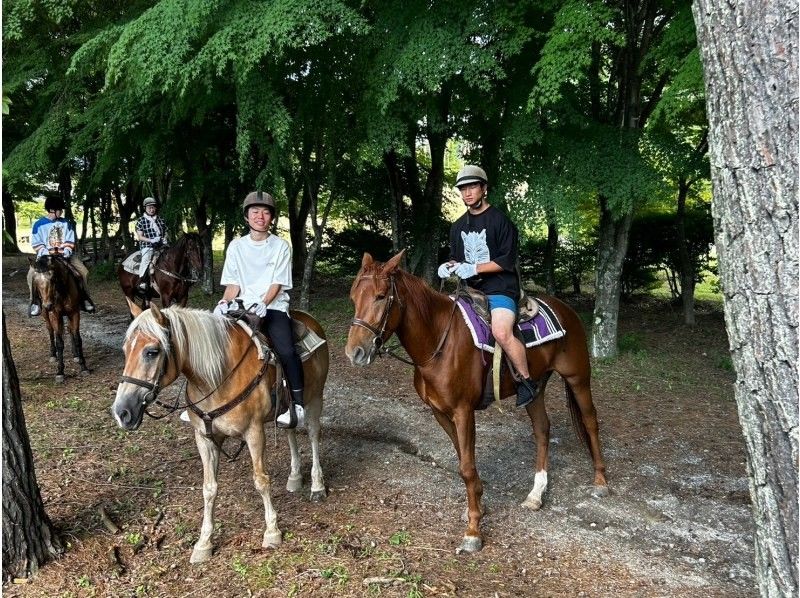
x: 630, y: 342
x: 724, y: 362
x: 264, y: 575
x: 337, y: 574
x: 134, y: 538
x: 240, y: 567
x: 400, y: 538
x: 330, y: 545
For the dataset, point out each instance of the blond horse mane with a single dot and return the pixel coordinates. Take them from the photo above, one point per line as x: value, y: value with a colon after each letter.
x: 196, y: 336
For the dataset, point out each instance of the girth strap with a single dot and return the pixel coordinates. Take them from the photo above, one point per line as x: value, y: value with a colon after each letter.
x: 208, y: 417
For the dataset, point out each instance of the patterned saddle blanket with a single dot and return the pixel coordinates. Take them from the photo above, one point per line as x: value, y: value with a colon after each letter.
x: 131, y: 263
x: 542, y: 328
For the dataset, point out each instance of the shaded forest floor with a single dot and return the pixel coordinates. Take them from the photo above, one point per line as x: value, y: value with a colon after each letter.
x: 677, y: 522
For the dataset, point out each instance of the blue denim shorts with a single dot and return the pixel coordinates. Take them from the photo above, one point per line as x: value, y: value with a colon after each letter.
x: 501, y: 302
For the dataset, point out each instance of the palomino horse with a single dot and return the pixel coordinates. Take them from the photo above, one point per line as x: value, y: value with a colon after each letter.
x: 230, y: 385
x: 57, y: 287
x: 172, y: 275
x: 449, y: 372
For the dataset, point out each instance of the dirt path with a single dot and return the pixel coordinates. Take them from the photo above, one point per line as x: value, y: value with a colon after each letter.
x: 677, y: 522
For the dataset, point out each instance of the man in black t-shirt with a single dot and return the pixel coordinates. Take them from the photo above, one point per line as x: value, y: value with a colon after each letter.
x: 483, y: 252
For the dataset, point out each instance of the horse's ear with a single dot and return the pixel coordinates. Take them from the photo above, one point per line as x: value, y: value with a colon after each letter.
x: 134, y: 309
x: 393, y: 263
x: 159, y: 317
x: 366, y: 260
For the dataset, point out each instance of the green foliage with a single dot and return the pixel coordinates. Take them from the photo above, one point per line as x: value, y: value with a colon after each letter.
x: 653, y: 248
x: 342, y: 255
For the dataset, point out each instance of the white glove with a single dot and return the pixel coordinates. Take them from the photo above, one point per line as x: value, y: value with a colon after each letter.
x: 446, y: 269
x: 155, y: 239
x: 222, y: 308
x: 67, y: 252
x: 466, y: 270
x: 259, y: 309
x: 42, y: 251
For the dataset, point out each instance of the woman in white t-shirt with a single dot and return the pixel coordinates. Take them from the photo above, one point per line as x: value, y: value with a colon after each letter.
x: 258, y: 270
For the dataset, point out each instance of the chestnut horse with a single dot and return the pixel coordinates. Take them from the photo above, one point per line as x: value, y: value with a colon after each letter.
x: 449, y: 372
x: 172, y: 275
x: 58, y: 289
x: 230, y: 385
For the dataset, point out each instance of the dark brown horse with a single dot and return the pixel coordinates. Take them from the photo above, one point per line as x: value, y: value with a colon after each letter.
x: 229, y: 385
x: 57, y: 287
x: 172, y: 278
x: 390, y: 301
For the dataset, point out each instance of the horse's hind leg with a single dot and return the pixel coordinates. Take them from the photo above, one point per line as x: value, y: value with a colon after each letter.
x: 579, y: 396
x: 540, y: 423
x: 52, y: 336
x: 77, y: 341
x: 295, y: 481
x: 255, y: 444
x: 209, y: 455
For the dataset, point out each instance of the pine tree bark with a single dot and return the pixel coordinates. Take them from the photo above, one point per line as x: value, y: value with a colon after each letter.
x: 749, y: 54
x: 29, y: 539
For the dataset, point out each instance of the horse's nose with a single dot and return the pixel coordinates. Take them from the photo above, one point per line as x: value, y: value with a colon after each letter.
x: 359, y: 357
x: 123, y: 416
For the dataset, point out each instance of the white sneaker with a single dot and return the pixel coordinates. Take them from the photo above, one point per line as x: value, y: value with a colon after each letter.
x: 143, y: 286
x: 184, y: 415
x: 35, y: 310
x: 284, y: 419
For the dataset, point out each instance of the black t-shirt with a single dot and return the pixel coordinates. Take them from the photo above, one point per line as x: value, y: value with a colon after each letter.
x: 488, y: 237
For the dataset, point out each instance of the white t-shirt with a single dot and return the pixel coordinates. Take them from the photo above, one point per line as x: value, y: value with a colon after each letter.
x: 255, y: 266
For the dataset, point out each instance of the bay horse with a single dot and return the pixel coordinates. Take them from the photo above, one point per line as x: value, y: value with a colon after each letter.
x: 449, y: 372
x: 57, y: 287
x: 230, y: 385
x: 172, y: 274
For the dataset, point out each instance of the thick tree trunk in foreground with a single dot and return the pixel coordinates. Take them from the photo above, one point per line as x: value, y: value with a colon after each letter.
x: 29, y: 539
x: 611, y: 250
x: 749, y: 54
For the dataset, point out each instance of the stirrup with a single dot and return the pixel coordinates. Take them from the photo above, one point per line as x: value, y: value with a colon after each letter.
x: 294, y: 420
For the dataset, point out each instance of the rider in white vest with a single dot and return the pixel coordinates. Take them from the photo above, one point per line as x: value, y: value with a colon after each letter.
x: 151, y: 232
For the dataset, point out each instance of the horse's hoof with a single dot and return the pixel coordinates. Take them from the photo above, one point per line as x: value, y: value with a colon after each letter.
x: 470, y: 544
x: 294, y: 483
x: 319, y: 495
x: 532, y: 504
x: 600, y: 491
x: 60, y: 379
x: 84, y: 372
x: 200, y: 555
x: 272, y: 539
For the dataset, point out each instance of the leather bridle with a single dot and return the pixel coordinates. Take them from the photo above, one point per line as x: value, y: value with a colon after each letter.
x: 379, y: 331
x: 153, y: 388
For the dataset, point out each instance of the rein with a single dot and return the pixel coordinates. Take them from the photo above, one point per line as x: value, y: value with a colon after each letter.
x: 378, y: 333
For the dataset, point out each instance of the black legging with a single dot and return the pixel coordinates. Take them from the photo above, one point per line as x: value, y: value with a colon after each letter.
x: 278, y: 326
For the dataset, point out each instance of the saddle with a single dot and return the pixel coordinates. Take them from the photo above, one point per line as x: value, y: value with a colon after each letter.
x: 306, y: 342
x: 527, y: 307
x: 131, y: 263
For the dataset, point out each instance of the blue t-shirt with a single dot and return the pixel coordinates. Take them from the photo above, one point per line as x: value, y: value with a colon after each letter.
x: 49, y: 234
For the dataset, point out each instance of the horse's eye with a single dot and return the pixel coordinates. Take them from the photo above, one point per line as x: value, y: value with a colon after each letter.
x: 153, y: 352
x: 380, y: 297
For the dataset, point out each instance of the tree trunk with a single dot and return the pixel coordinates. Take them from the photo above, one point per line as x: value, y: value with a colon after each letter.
x: 396, y: 190
x: 612, y: 246
x: 311, y: 258
x: 9, y: 223
x: 550, y: 251
x: 29, y: 539
x: 749, y: 54
x: 205, y: 229
x: 687, y: 271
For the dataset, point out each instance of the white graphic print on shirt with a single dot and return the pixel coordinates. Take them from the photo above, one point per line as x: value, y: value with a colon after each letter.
x: 476, y: 251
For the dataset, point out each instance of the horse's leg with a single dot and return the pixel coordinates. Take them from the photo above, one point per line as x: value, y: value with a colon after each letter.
x: 540, y: 423
x: 313, y: 412
x: 77, y: 341
x: 52, y: 335
x: 295, y: 481
x: 209, y: 455
x: 464, y: 421
x: 256, y: 444
x: 579, y: 393
x: 57, y: 323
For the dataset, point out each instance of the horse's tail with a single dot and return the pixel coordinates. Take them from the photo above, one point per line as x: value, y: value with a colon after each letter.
x: 575, y: 416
